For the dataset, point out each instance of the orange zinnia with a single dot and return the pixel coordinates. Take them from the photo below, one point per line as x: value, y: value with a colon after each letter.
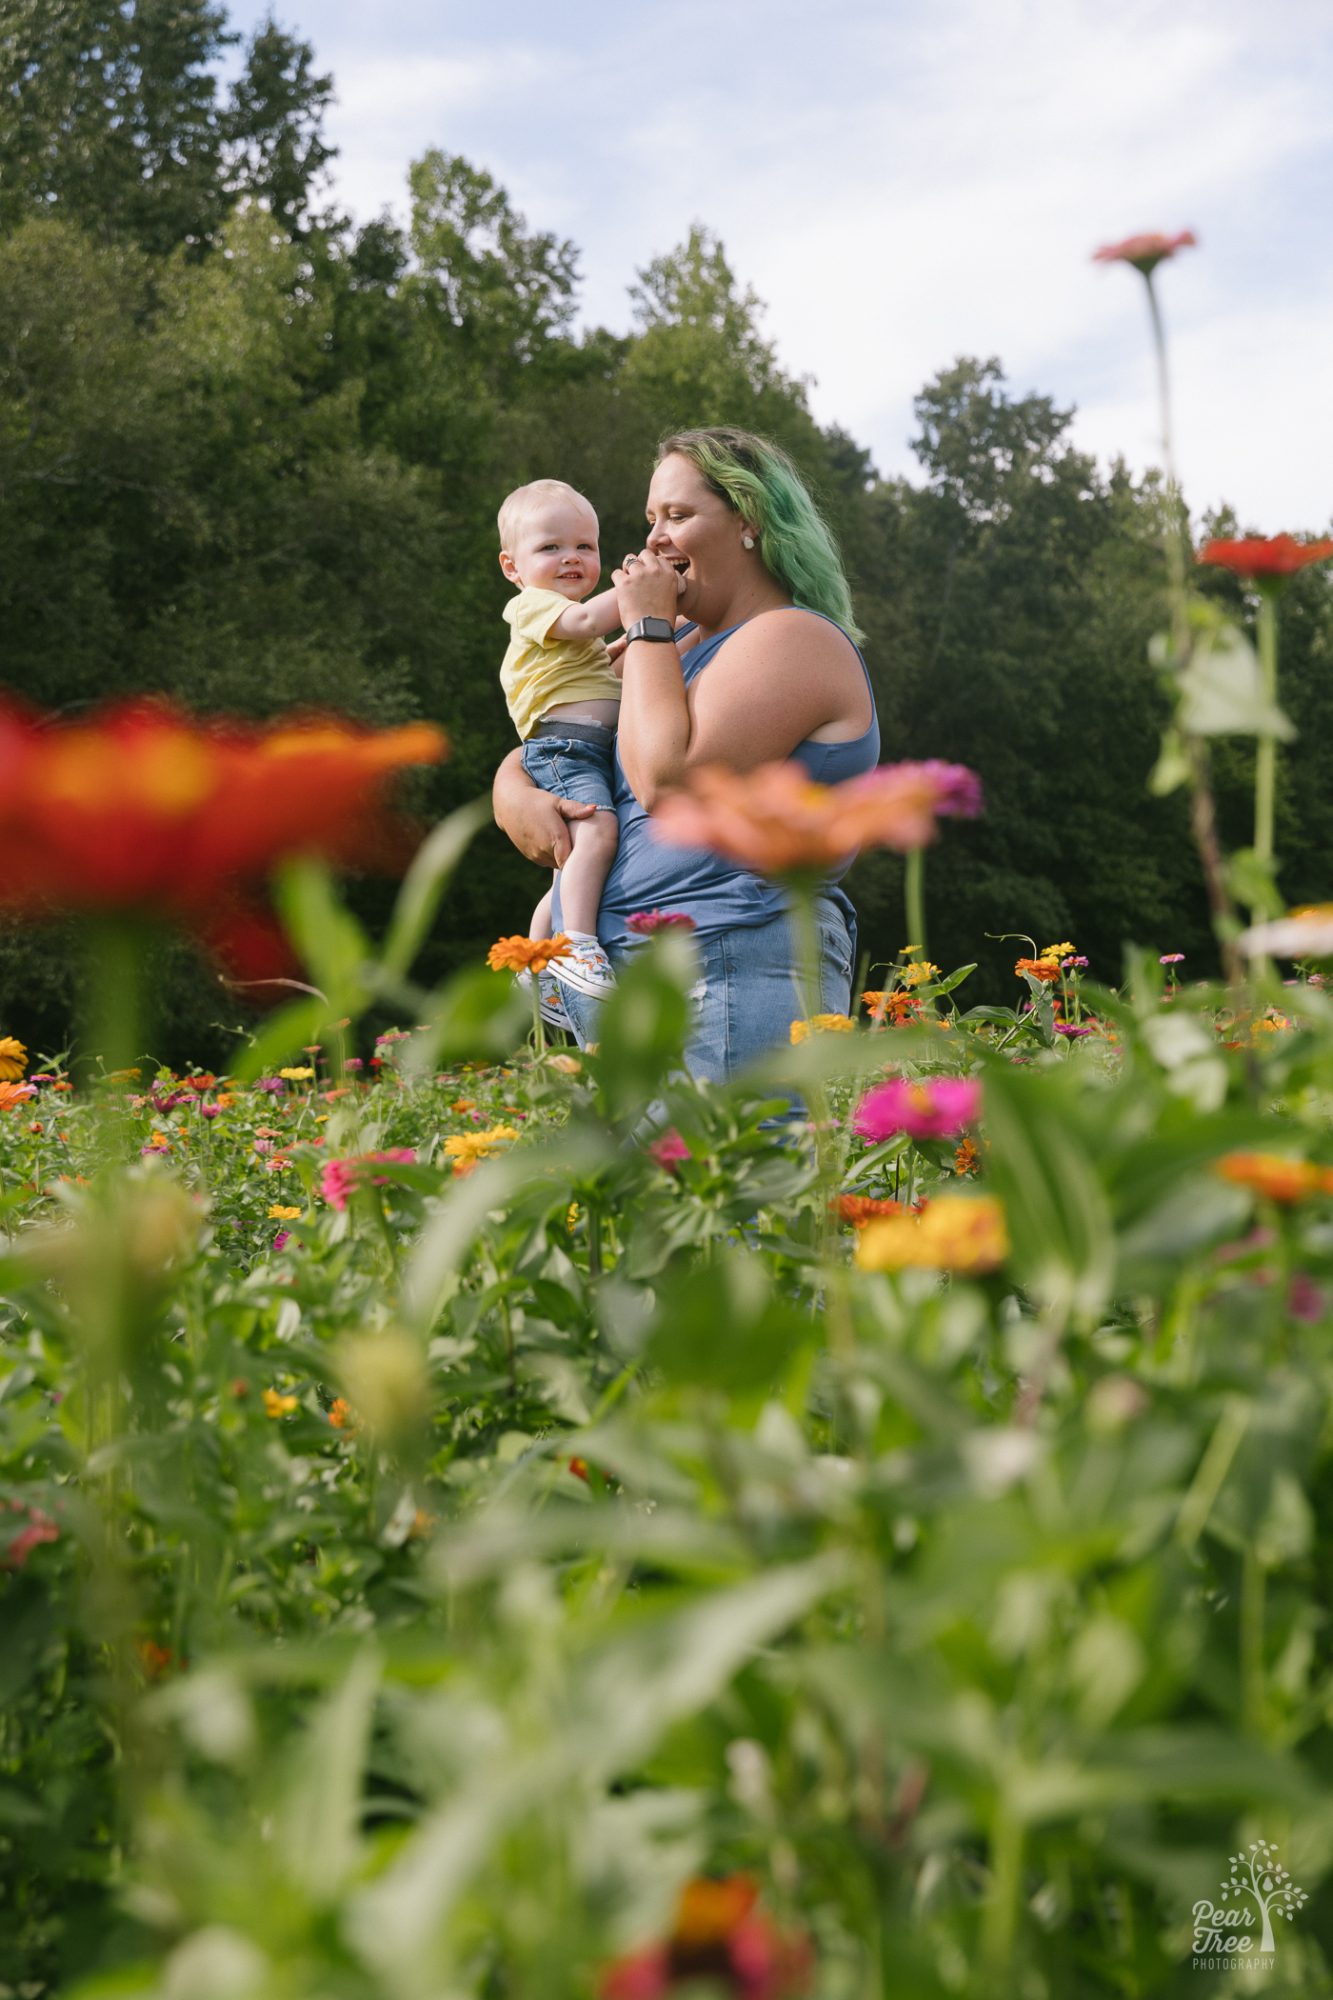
x: 524, y: 954
x: 894, y: 1007
x: 1044, y: 969
x: 858, y: 1209
x: 1275, y: 1176
x: 775, y: 820
x: 144, y: 810
x: 14, y: 1094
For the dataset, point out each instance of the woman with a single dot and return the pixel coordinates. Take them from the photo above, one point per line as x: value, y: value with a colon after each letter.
x: 773, y: 673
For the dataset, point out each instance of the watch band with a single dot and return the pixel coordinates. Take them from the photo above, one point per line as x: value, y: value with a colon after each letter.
x: 658, y: 631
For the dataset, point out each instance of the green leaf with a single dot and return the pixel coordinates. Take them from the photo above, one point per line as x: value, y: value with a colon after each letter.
x: 327, y: 937
x: 320, y: 1818
x: 425, y: 883
x: 1057, y: 1214
x: 1221, y: 690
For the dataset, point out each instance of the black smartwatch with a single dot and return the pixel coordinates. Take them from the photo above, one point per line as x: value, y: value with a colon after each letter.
x: 660, y: 631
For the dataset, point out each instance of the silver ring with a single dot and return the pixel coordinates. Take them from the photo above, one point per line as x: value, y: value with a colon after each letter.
x: 629, y: 560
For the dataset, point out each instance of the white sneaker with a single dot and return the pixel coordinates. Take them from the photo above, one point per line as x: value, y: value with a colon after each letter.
x: 586, y: 968
x: 551, y: 1003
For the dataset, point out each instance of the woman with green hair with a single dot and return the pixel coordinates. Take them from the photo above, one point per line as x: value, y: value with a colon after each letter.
x: 772, y: 672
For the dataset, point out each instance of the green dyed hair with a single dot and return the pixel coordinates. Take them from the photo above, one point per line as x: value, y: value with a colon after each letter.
x: 757, y: 479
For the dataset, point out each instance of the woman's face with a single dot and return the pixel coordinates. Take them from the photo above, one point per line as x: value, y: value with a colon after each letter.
x: 694, y: 530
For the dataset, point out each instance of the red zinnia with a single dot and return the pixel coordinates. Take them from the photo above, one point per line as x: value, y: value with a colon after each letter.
x: 1145, y: 252
x: 142, y: 810
x: 1264, y: 556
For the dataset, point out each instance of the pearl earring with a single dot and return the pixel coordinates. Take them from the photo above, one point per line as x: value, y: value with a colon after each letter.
x: 747, y: 541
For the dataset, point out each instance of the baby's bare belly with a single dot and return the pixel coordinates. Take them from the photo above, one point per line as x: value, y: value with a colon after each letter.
x: 584, y: 711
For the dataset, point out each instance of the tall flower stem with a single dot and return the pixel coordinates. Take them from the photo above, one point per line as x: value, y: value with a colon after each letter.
x: 914, y: 891
x: 1203, y: 812
x: 1265, y: 763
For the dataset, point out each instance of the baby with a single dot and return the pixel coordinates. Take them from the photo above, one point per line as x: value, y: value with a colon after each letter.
x: 564, y: 697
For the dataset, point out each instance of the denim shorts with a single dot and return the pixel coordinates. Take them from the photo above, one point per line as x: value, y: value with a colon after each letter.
x: 747, y: 996
x: 573, y: 767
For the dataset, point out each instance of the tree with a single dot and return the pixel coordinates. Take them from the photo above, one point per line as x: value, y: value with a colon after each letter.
x: 507, y: 290
x: 273, y: 128
x: 111, y: 118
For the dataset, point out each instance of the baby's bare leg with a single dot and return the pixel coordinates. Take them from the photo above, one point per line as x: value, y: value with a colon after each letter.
x: 584, y: 874
x: 540, y: 927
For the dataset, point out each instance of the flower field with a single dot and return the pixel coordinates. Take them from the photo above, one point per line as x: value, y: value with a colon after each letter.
x: 461, y: 1537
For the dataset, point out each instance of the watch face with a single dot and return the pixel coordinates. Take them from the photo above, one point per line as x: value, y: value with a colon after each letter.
x: 654, y: 628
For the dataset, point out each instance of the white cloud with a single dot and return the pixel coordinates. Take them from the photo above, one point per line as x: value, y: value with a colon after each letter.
x: 903, y: 185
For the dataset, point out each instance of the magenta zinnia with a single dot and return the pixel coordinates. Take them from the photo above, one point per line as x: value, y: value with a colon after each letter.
x: 940, y: 1107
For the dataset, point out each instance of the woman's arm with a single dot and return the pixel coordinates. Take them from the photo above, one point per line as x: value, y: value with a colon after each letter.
x: 783, y: 676
x: 536, y: 821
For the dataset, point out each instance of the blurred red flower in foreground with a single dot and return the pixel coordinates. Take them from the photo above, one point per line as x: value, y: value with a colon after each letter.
x: 143, y: 810
x: 1265, y: 555
x: 1145, y: 252
x: 775, y: 820
x: 719, y: 1936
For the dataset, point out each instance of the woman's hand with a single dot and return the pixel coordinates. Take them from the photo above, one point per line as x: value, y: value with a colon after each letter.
x: 646, y: 587
x: 536, y: 821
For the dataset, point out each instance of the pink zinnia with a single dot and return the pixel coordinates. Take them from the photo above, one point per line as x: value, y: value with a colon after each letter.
x: 340, y: 1178
x: 39, y: 1528
x: 939, y: 1108
x: 644, y: 923
x: 669, y: 1150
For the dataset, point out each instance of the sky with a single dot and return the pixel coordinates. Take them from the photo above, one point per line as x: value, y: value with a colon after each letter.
x: 903, y: 184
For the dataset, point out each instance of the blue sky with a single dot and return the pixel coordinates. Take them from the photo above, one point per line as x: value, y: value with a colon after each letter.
x: 903, y: 184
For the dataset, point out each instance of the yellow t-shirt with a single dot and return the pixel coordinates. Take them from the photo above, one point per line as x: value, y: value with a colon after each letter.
x: 540, y: 672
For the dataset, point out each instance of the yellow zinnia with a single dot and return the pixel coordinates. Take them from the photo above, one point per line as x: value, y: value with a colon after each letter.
x: 13, y: 1059
x: 822, y: 1024
x: 276, y: 1405
x: 296, y: 1075
x: 478, y: 1145
x: 278, y: 1213
x: 952, y: 1233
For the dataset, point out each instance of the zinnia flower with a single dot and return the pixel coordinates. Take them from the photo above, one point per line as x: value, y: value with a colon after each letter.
x: 13, y: 1058
x: 953, y: 1233
x: 478, y: 1145
x: 340, y: 1414
x: 719, y: 1937
x: 341, y: 1178
x: 776, y: 821
x: 822, y: 1024
x: 1044, y: 969
x: 938, y: 1108
x: 646, y: 923
x: 1276, y: 1177
x: 1303, y: 933
x: 276, y: 1405
x: 858, y: 1209
x: 143, y: 810
x: 524, y: 954
x: 1264, y: 557
x: 13, y: 1094
x: 38, y: 1527
x: 278, y: 1212
x: 1145, y: 252
x: 296, y: 1075
x: 668, y: 1151
x: 895, y: 1008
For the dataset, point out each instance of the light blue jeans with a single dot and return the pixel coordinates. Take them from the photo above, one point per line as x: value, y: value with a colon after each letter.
x: 747, y: 996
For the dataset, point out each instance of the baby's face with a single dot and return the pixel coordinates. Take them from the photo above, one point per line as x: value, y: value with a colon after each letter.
x: 556, y: 549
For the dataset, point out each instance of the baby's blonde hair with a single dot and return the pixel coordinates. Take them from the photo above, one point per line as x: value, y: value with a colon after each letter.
x: 515, y: 506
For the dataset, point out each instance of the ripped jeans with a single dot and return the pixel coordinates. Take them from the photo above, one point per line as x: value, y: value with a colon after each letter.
x: 747, y: 996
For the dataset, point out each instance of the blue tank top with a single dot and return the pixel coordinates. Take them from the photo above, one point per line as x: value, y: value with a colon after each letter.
x: 649, y: 875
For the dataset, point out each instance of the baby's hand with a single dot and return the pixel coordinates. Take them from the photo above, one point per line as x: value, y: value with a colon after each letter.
x: 615, y: 653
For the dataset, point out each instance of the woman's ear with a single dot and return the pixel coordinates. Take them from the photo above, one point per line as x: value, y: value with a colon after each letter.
x: 749, y: 535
